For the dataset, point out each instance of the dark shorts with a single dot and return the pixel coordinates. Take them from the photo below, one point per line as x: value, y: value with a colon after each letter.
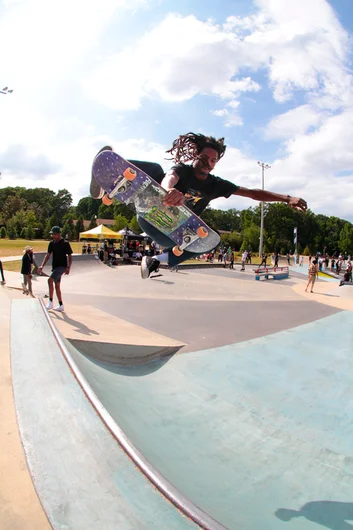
x: 57, y: 273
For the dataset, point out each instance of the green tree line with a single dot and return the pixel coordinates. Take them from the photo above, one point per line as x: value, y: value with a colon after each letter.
x: 30, y: 213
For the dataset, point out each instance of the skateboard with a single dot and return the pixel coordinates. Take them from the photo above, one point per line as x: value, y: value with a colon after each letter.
x: 129, y: 184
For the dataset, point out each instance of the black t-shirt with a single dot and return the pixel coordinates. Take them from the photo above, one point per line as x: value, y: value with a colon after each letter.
x: 27, y: 261
x: 198, y: 192
x: 60, y: 250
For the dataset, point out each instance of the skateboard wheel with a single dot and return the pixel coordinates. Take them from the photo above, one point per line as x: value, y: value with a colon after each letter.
x: 129, y: 173
x: 177, y: 251
x: 202, y: 232
x: 107, y: 201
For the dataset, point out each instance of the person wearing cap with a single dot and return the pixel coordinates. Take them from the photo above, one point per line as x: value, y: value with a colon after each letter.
x: 26, y: 270
x: 62, y: 260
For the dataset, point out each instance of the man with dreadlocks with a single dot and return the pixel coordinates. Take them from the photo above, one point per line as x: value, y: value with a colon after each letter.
x: 192, y: 184
x: 195, y: 186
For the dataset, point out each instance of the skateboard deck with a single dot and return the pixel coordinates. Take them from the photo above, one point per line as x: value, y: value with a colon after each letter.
x: 122, y: 180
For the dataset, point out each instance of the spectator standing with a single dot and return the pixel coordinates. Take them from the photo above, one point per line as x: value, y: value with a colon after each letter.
x: 26, y: 270
x: 243, y: 260
x: 231, y: 265
x: 313, y: 273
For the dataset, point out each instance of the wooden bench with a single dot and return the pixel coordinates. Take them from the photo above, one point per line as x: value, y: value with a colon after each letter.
x: 273, y: 273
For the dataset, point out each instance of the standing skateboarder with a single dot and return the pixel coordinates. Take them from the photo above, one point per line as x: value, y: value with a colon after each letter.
x: 62, y: 260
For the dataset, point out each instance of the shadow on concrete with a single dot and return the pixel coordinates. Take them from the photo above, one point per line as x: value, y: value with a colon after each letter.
x: 330, y: 514
x: 77, y: 326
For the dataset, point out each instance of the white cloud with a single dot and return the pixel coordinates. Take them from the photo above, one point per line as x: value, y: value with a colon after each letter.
x: 178, y: 59
x: 293, y: 122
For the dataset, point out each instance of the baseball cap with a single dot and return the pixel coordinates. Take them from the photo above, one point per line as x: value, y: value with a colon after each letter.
x: 27, y: 248
x: 55, y: 230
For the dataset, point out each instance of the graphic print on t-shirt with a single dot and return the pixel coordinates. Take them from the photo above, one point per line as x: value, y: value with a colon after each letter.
x: 192, y: 197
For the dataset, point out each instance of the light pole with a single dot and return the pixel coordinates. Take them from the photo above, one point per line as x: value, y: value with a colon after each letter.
x: 263, y: 167
x: 6, y: 91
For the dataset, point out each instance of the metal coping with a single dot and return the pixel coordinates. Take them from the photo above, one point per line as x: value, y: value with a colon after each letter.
x: 182, y: 503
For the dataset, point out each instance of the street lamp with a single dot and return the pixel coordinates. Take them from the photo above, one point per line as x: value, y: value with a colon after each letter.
x: 6, y: 90
x: 263, y: 167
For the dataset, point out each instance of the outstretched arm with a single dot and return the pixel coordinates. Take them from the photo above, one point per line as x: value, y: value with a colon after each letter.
x: 269, y: 196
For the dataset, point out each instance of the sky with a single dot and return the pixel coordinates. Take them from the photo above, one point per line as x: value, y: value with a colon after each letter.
x: 273, y: 77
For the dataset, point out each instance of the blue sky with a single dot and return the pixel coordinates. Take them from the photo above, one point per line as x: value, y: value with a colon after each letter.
x: 274, y: 77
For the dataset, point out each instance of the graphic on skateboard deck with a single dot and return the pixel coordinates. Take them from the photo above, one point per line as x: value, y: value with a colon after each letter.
x: 122, y: 180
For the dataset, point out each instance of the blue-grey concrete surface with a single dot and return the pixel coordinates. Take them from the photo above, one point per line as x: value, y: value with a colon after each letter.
x: 84, y: 479
x: 258, y: 434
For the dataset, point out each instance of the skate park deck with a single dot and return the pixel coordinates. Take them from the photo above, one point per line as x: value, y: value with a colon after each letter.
x: 237, y: 393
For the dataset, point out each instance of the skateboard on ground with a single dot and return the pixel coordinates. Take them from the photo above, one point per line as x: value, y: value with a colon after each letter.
x: 123, y: 181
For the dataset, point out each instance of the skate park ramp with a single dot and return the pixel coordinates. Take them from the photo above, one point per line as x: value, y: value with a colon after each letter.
x: 255, y: 433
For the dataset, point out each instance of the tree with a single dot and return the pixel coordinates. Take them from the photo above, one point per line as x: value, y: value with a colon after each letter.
x: 54, y: 221
x: 233, y: 240
x: 88, y: 207
x: 120, y: 223
x: 119, y: 208
x: 346, y: 239
x: 61, y: 204
x: 251, y: 238
x: 24, y: 233
x: 12, y: 205
x: 20, y: 220
x: 30, y: 232
x: 11, y: 229
x: 134, y: 225
x: 3, y: 232
x: 106, y: 212
x: 47, y: 229
x: 93, y: 222
x: 79, y: 227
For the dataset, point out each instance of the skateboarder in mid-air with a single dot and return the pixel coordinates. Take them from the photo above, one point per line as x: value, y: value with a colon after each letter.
x: 190, y: 182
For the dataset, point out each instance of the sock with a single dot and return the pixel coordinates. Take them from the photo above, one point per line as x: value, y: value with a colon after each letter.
x: 60, y: 303
x: 50, y: 299
x: 162, y: 258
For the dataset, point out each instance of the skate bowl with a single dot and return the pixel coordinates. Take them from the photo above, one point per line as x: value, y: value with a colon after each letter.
x: 250, y: 432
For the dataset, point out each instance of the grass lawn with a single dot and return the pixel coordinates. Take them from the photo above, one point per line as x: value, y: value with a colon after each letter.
x: 14, y: 247
x: 14, y: 266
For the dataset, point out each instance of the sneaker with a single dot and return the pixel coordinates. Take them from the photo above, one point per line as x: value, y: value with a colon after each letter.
x: 149, y: 265
x: 95, y: 190
x: 49, y: 305
x: 59, y: 308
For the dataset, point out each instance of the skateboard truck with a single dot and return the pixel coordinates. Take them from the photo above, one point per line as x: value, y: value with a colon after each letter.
x: 188, y: 238
x: 122, y: 183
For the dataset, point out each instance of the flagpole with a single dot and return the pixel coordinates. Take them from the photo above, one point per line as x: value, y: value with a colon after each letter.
x: 296, y: 244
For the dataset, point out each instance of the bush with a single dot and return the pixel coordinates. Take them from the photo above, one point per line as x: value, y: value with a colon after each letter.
x: 24, y: 233
x: 307, y: 251
x: 3, y: 232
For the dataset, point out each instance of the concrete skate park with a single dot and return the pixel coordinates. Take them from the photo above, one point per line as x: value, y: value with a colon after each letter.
x: 201, y: 398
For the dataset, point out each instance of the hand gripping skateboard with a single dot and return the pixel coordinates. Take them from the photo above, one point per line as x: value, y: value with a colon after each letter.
x: 122, y: 180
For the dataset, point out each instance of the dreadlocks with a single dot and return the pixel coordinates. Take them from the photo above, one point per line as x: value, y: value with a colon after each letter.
x: 189, y: 146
